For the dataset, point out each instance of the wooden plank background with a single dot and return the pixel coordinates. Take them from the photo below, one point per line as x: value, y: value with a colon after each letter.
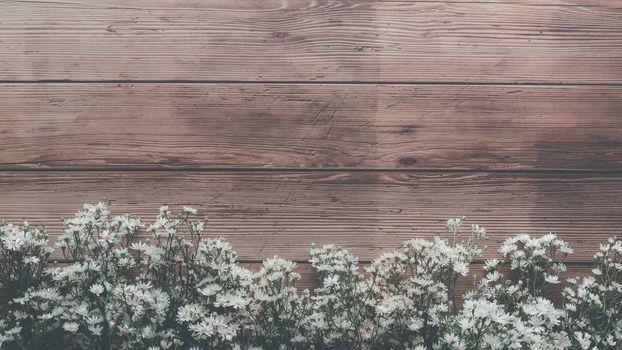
x: 288, y: 122
x: 543, y: 41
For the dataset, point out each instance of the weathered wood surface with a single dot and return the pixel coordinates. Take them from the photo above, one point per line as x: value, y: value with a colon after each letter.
x: 377, y: 119
x: 156, y: 126
x: 266, y: 213
x: 521, y: 41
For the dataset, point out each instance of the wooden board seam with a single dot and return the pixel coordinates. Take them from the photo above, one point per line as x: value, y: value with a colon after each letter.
x: 314, y: 170
x: 307, y: 82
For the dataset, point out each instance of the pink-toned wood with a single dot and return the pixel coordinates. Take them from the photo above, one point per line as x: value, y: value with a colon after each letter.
x: 268, y: 213
x: 151, y: 126
x: 457, y: 113
x: 553, y: 41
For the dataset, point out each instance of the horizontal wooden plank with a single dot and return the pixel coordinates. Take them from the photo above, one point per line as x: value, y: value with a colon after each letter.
x: 268, y: 213
x: 155, y: 126
x: 520, y: 41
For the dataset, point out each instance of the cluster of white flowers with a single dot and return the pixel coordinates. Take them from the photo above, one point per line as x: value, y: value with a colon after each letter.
x: 487, y: 324
x: 164, y: 286
x: 509, y: 310
x: 593, y: 305
x: 24, y: 252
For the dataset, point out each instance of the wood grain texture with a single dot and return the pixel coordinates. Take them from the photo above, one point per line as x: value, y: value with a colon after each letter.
x: 520, y: 41
x: 479, y: 127
x: 164, y: 126
x: 268, y: 213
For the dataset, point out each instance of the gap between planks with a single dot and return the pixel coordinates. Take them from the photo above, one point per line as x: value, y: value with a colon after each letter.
x: 260, y: 170
x: 308, y: 82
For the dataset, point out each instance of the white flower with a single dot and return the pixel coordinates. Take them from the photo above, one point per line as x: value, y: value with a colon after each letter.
x: 461, y: 268
x: 140, y: 246
x: 13, y: 242
x: 71, y: 327
x: 238, y: 302
x: 415, y: 324
x: 551, y: 279
x: 148, y: 332
x: 189, y: 313
x: 478, y: 231
x: 566, y: 249
x: 493, y: 276
x: 190, y: 210
x: 493, y: 341
x: 451, y: 338
x: 32, y: 260
x: 453, y: 225
x: 583, y: 339
x: 611, y: 341
x: 96, y: 330
x: 96, y: 289
x: 209, y: 290
x: 331, y: 282
x: 491, y: 264
x: 227, y: 332
x: 94, y: 320
x: 507, y: 248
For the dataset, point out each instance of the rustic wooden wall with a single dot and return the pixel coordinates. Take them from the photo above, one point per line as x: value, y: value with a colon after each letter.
x: 363, y: 123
